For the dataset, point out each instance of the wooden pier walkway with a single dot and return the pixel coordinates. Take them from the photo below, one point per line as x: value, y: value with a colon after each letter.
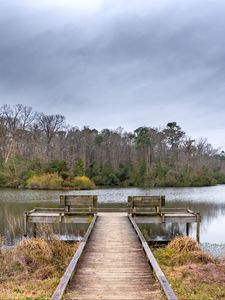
x: 113, y: 265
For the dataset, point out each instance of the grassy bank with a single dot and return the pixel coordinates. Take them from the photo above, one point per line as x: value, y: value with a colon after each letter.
x: 193, y: 274
x: 32, y: 269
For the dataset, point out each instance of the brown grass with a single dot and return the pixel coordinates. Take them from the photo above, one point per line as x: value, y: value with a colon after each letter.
x: 32, y: 269
x: 184, y: 244
x: 193, y: 274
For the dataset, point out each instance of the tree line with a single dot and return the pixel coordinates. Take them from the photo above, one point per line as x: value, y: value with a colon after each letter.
x: 33, y: 143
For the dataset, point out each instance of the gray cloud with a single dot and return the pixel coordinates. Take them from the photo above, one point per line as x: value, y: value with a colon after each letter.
x: 149, y: 62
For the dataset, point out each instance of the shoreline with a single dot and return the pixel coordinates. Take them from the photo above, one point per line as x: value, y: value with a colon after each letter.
x: 102, y: 187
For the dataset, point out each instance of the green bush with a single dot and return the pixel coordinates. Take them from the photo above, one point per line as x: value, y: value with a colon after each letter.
x: 45, y: 181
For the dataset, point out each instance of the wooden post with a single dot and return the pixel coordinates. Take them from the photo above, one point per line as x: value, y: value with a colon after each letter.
x: 34, y: 230
x: 25, y: 223
x: 187, y: 229
x: 198, y: 228
x: 60, y: 224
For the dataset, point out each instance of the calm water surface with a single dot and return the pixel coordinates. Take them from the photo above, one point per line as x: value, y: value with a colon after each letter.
x: 209, y: 201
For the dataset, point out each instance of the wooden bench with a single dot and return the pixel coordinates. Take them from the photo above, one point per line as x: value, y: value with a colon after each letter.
x: 79, y: 203
x: 146, y: 204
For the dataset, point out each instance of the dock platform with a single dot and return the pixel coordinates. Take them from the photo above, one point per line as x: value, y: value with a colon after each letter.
x: 113, y: 266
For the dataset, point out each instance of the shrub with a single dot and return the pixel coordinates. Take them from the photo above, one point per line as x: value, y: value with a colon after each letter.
x: 45, y: 181
x: 80, y: 183
x: 183, y: 244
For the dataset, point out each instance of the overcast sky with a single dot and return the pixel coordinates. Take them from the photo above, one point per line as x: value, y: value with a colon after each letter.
x: 111, y: 63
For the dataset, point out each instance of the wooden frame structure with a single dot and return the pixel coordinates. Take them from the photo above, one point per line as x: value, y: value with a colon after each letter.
x: 141, y: 211
x: 77, y: 209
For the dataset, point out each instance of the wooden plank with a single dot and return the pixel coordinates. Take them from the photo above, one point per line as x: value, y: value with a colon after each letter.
x: 145, y: 209
x: 159, y: 274
x: 148, y: 219
x: 47, y: 209
x: 145, y: 213
x: 76, y: 200
x: 145, y: 203
x: 25, y: 223
x: 76, y: 219
x: 67, y: 219
x: 45, y: 214
x: 174, y: 209
x: 198, y: 227
x: 147, y: 200
x: 178, y: 215
x: 112, y: 209
x: 42, y: 219
x: 156, y: 219
x: 187, y: 229
x: 180, y: 220
x: 58, y: 294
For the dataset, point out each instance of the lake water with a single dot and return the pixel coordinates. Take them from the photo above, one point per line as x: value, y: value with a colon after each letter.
x: 209, y: 201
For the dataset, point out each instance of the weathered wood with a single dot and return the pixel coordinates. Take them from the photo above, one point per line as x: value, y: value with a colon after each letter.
x: 187, y: 229
x: 175, y: 210
x: 198, y: 228
x: 45, y: 214
x: 47, y: 209
x: 79, y: 200
x: 58, y: 294
x: 34, y: 230
x: 25, y: 223
x: 66, y: 219
x: 144, y: 210
x: 180, y: 220
x: 148, y: 219
x: 159, y: 274
x: 112, y: 209
x: 113, y: 265
x: 149, y: 201
x: 141, y: 203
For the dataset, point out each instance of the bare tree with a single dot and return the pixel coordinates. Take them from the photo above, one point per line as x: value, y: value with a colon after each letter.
x: 50, y: 125
x: 15, y: 120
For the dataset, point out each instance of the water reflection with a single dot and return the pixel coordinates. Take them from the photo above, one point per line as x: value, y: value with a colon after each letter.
x: 209, y: 201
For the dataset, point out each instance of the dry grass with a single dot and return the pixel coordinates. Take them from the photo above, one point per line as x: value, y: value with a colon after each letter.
x: 184, y: 244
x: 32, y: 269
x: 193, y: 274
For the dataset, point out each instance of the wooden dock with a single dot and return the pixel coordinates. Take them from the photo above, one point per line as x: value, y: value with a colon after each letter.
x: 113, y: 265
x: 113, y: 260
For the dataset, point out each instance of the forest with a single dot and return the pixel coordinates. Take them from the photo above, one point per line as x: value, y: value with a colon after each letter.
x: 43, y: 151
